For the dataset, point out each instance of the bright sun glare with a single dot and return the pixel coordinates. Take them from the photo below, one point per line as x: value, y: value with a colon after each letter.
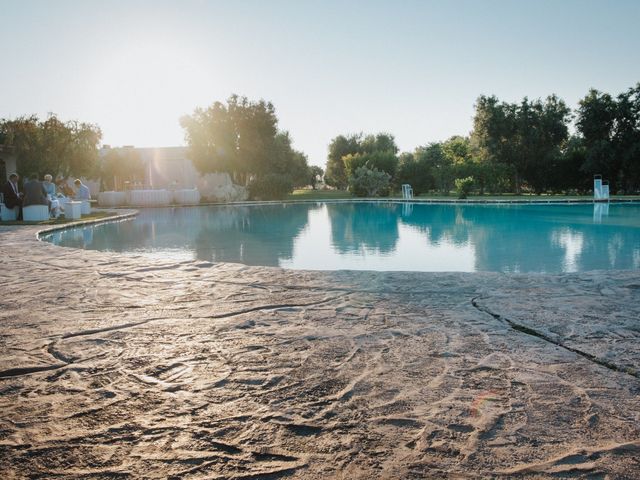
x: 146, y: 86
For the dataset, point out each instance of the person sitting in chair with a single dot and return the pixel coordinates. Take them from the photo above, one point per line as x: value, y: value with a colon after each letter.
x: 12, y: 196
x: 82, y: 191
x: 64, y: 189
x: 35, y: 194
x: 50, y: 188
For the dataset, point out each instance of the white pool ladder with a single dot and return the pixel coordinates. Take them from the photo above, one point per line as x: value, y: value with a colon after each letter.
x: 407, y: 191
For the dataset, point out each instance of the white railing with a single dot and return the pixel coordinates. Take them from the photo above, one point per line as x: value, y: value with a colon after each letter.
x: 407, y: 191
x: 600, y: 189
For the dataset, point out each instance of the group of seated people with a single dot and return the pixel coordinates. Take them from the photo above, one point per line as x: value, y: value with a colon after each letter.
x: 34, y: 192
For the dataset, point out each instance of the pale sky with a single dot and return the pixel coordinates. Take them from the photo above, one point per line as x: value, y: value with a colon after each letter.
x: 411, y: 68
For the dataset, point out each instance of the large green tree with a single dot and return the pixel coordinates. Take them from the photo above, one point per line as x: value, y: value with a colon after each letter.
x: 627, y: 138
x: 240, y: 137
x: 542, y: 133
x: 610, y: 128
x: 494, y: 128
x: 315, y: 174
x: 596, y: 117
x: 432, y: 157
x: 120, y: 165
x: 348, y: 153
x: 52, y: 146
x: 340, y: 147
x: 417, y: 174
x: 287, y: 161
x: 524, y: 139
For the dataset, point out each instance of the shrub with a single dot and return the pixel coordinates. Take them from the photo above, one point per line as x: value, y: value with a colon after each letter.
x: 367, y: 182
x: 385, y: 161
x: 271, y: 186
x: 464, y: 186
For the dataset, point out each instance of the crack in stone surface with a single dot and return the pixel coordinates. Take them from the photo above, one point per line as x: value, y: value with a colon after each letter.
x: 534, y: 333
x: 308, y: 375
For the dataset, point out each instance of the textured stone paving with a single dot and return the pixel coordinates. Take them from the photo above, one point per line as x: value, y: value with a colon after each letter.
x: 115, y: 366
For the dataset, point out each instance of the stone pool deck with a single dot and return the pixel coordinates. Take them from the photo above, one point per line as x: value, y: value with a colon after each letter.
x: 114, y: 366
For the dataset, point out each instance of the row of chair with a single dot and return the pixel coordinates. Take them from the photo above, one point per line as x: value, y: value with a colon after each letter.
x: 37, y: 213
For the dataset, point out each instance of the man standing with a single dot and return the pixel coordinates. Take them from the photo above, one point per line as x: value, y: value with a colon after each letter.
x: 12, y: 196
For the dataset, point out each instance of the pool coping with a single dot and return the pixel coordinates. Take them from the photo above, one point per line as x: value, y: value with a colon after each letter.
x: 392, y: 200
x: 129, y: 213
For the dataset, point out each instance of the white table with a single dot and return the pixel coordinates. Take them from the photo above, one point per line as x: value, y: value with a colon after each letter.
x: 112, y: 199
x: 72, y: 209
x: 149, y: 198
x: 186, y: 197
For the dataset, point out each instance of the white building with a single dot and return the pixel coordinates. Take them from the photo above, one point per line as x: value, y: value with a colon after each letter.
x: 165, y: 168
x: 170, y: 168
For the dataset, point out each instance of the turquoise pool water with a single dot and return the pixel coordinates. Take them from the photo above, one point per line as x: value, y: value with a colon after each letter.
x: 381, y: 236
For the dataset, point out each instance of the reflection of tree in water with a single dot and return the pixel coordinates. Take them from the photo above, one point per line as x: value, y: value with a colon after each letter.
x: 513, y: 239
x: 261, y: 235
x: 532, y: 238
x: 251, y: 235
x: 364, y: 225
x: 526, y: 238
x: 615, y: 242
x: 153, y: 228
x: 441, y: 223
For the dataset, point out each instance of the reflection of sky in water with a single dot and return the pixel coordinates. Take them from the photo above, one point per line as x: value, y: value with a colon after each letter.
x: 572, y: 242
x: 381, y: 236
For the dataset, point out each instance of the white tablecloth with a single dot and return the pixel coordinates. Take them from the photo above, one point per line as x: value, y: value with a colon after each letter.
x: 186, y: 197
x: 112, y: 199
x: 72, y: 210
x: 149, y: 198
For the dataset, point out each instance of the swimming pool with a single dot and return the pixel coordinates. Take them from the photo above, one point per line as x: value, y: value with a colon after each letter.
x: 380, y: 236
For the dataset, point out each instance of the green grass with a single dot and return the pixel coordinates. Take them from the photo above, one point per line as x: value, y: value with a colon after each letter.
x: 509, y: 196
x: 318, y: 195
x: 341, y: 194
x: 61, y: 220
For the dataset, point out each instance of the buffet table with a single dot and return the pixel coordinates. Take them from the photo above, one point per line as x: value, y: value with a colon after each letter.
x: 186, y: 197
x: 112, y: 199
x: 150, y: 198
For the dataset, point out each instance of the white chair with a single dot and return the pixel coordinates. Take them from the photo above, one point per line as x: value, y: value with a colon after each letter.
x: 35, y: 213
x: 7, y: 214
x: 407, y: 191
x: 85, y: 209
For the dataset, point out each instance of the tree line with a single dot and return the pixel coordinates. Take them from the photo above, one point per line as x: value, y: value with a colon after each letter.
x: 513, y: 147
x: 51, y: 145
x: 242, y: 138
